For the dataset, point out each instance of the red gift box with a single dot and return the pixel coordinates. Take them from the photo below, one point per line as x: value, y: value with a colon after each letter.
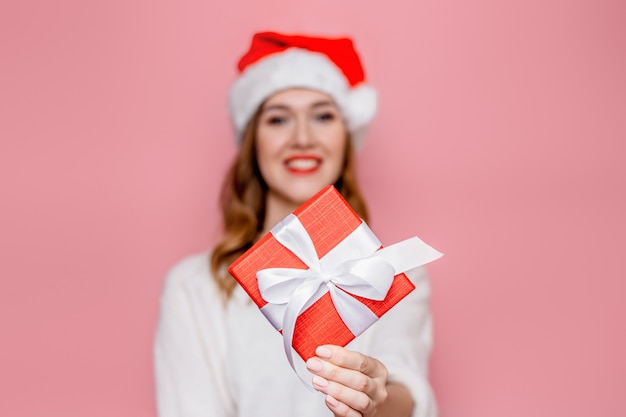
x: 328, y: 220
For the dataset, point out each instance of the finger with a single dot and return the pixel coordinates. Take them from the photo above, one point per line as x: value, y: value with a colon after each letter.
x: 352, y: 360
x: 350, y: 387
x: 341, y: 409
x: 325, y: 372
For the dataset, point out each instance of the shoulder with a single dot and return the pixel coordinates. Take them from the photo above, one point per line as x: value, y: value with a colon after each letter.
x: 191, y: 271
x: 189, y: 266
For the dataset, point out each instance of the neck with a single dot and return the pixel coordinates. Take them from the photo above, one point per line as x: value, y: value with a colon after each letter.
x: 276, y: 209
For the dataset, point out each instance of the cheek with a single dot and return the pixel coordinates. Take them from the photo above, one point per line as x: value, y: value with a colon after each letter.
x: 268, y: 157
x: 264, y: 147
x: 269, y: 141
x: 264, y: 161
x: 337, y: 147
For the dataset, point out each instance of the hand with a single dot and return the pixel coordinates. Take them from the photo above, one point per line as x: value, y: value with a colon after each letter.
x: 355, y: 384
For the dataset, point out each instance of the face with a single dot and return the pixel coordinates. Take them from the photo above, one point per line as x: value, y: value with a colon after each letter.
x: 301, y: 144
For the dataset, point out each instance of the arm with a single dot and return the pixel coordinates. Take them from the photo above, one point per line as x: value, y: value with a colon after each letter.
x: 188, y: 375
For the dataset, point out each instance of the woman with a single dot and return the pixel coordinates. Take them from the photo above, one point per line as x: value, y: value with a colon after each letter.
x: 299, y: 108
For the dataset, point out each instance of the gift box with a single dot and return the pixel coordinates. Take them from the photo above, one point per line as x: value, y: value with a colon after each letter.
x: 321, y: 276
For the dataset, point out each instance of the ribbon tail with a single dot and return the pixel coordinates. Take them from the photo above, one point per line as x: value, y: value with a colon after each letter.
x: 296, y: 305
x: 409, y: 254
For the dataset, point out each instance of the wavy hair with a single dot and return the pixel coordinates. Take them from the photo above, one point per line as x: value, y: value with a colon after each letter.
x: 242, y: 202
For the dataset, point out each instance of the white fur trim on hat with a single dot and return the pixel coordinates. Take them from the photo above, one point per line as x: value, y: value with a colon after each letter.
x: 300, y: 68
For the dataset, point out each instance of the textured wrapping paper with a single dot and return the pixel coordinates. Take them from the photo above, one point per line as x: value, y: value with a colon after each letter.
x: 321, y: 277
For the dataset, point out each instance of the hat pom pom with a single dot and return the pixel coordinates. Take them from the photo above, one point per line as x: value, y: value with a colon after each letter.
x: 360, y: 108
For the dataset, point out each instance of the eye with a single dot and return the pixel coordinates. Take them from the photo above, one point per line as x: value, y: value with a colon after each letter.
x: 276, y: 120
x: 325, y: 116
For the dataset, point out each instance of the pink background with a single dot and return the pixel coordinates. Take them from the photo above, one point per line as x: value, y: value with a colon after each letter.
x: 500, y: 141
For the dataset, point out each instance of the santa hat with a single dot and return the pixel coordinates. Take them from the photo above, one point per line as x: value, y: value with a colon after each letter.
x: 277, y: 62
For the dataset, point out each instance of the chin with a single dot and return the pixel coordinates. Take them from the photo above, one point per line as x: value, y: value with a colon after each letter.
x: 298, y: 192
x: 304, y: 197
x: 304, y: 194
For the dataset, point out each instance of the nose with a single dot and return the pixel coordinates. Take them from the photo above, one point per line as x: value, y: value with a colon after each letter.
x: 303, y: 135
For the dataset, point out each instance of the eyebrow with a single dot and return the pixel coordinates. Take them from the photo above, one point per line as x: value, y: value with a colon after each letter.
x: 279, y: 106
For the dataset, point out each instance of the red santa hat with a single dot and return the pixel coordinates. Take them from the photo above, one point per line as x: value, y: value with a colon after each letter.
x: 277, y: 62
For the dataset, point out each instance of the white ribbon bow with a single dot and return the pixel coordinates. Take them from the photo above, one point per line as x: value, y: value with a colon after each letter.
x: 355, y: 266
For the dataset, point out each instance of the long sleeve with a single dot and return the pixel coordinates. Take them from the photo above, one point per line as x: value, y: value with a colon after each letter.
x: 189, y: 374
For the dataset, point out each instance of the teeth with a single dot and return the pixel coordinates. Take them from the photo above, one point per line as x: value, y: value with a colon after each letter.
x: 302, y: 163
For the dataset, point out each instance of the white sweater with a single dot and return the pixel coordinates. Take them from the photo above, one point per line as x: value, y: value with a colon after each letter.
x: 213, y: 360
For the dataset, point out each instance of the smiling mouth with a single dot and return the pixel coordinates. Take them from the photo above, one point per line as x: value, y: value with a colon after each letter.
x: 303, y: 165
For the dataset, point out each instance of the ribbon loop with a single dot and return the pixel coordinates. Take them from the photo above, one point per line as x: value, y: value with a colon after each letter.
x: 277, y: 284
x: 369, y: 277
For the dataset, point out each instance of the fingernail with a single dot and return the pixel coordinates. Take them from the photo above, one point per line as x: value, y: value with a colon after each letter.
x: 323, y: 352
x: 319, y: 381
x: 314, y: 364
x: 332, y: 401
